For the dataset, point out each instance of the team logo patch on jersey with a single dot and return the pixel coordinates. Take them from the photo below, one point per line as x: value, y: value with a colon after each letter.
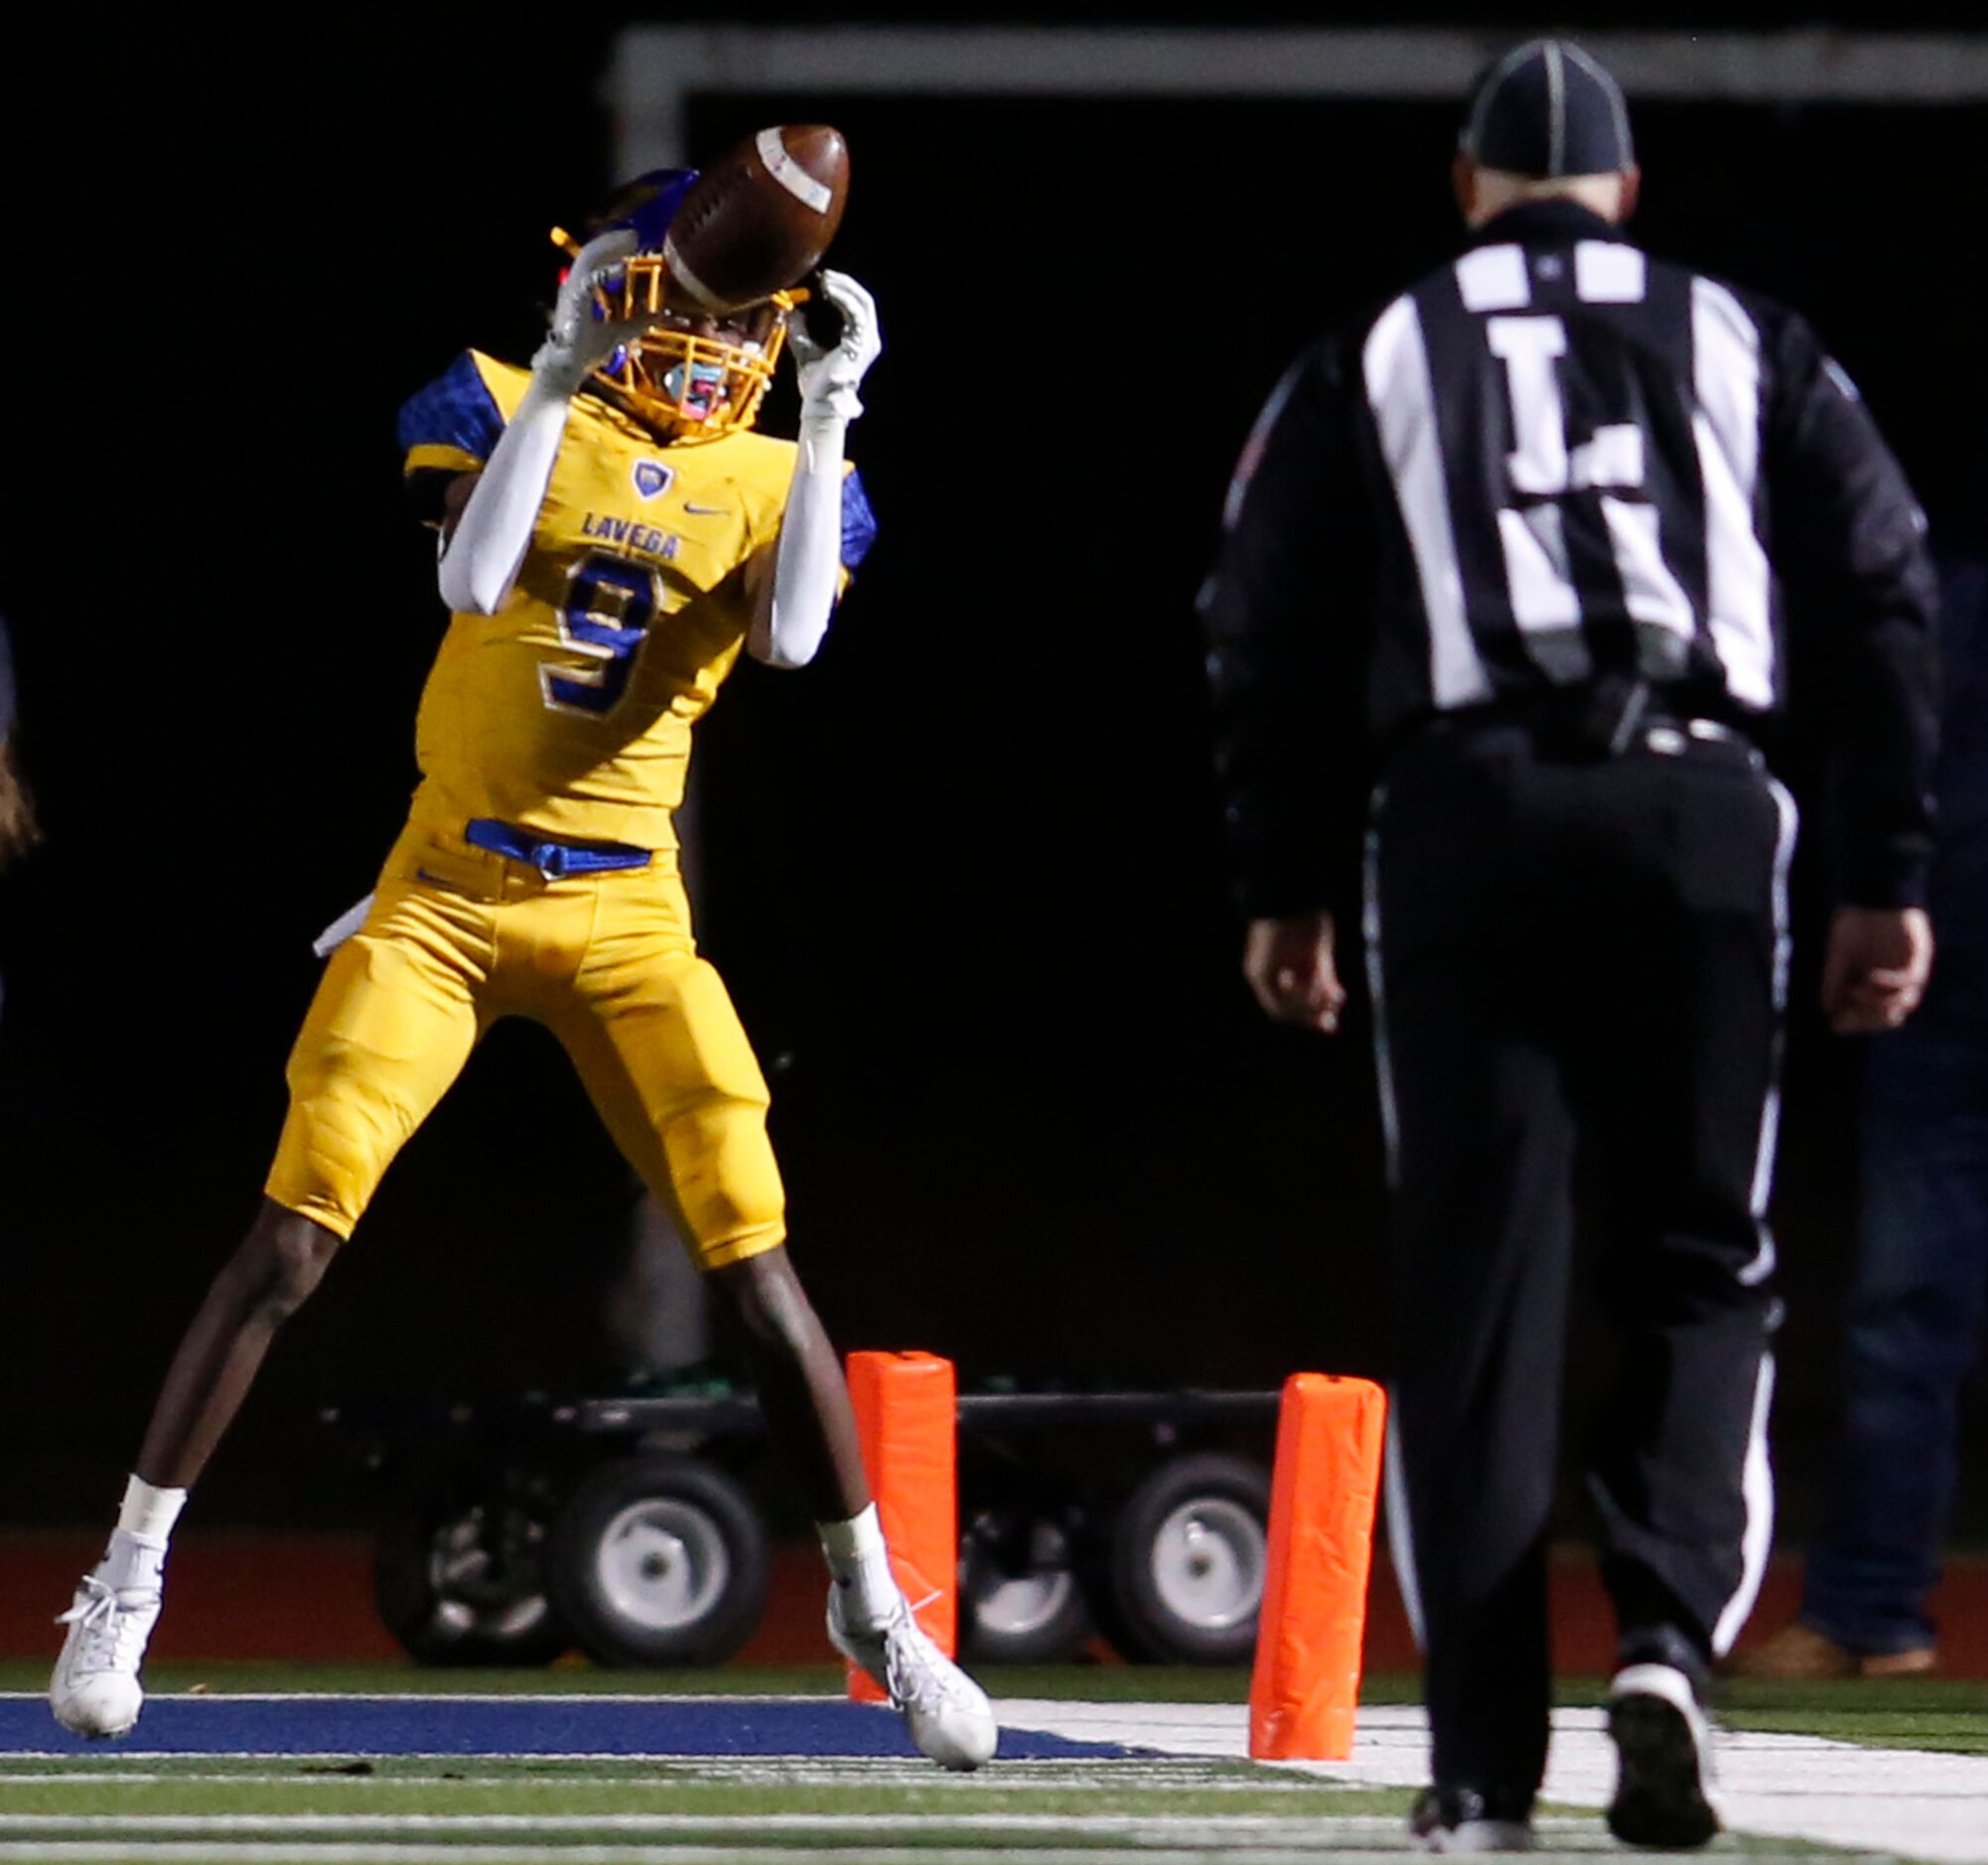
x: 652, y: 478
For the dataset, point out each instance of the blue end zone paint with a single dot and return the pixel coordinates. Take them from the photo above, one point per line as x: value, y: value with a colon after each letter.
x: 495, y: 1726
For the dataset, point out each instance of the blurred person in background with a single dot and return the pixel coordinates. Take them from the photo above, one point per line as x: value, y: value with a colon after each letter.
x: 612, y: 535
x: 18, y: 831
x: 1516, y: 572
x: 1913, y: 1318
x: 657, y: 1309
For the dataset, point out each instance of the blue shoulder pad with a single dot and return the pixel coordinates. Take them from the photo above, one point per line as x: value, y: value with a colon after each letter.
x: 456, y: 409
x: 859, y: 523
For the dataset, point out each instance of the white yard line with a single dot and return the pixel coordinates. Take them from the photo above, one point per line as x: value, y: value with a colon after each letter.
x: 1907, y: 1801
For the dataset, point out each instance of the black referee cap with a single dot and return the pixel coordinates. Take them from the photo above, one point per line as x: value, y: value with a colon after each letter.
x: 1548, y: 108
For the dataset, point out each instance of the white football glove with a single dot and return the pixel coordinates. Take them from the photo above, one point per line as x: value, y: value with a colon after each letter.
x: 828, y: 377
x: 580, y: 339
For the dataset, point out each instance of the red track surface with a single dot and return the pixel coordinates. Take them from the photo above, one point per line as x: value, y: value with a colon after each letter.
x: 309, y: 1599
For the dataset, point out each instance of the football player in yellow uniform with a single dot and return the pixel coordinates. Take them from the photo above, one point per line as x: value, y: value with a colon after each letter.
x: 612, y: 534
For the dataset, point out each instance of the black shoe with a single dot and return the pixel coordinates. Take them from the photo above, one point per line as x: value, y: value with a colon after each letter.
x: 1472, y: 1819
x: 1663, y: 1746
x: 1658, y: 1644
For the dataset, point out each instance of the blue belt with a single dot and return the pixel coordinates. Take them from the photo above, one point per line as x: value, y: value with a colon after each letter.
x: 551, y: 858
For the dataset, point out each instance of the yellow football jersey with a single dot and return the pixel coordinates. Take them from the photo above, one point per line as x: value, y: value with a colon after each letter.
x: 570, y: 710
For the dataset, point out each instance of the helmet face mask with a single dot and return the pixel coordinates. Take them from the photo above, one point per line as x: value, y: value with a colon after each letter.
x: 688, y: 376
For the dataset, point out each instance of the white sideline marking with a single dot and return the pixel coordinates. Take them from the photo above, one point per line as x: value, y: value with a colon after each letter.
x: 208, y: 1852
x: 1901, y: 1802
x: 1034, y: 1774
x: 1321, y: 1841
x: 1188, y: 1829
x: 565, y: 1699
x: 1926, y: 1806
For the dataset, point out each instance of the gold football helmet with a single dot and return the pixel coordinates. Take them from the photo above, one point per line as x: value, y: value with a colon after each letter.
x: 689, y: 375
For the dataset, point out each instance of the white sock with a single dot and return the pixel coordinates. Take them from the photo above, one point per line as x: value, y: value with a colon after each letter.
x: 860, y: 1565
x: 150, y: 1514
x: 137, y: 1553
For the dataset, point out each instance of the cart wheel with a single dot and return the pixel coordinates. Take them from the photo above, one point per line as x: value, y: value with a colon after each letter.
x: 1188, y: 1558
x: 459, y: 1582
x: 659, y: 1560
x: 1021, y: 1602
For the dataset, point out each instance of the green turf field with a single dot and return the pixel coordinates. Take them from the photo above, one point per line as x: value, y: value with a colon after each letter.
x: 108, y: 1806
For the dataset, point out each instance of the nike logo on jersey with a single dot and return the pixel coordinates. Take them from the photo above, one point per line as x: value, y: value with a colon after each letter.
x: 642, y: 539
x: 705, y: 512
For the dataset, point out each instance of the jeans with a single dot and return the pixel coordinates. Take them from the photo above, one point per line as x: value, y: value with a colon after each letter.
x: 1913, y: 1327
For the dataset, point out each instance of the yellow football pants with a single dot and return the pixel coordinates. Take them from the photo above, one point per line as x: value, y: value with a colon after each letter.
x: 458, y: 938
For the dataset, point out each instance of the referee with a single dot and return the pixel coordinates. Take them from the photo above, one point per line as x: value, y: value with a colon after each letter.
x: 1512, y: 574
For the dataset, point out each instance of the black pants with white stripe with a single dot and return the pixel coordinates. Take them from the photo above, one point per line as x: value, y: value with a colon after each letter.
x: 1571, y: 954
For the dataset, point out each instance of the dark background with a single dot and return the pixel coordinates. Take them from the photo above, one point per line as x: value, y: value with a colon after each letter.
x: 962, y: 875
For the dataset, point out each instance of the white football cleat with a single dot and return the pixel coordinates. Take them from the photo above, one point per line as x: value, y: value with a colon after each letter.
x: 947, y: 1712
x: 94, y: 1690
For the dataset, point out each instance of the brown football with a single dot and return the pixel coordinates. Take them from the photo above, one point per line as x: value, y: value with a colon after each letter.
x: 759, y: 217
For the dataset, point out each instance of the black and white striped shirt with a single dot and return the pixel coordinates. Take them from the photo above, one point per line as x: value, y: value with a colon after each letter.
x: 1556, y: 460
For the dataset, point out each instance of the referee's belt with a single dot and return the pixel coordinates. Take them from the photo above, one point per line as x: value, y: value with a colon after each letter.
x: 1599, y: 719
x: 550, y: 856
